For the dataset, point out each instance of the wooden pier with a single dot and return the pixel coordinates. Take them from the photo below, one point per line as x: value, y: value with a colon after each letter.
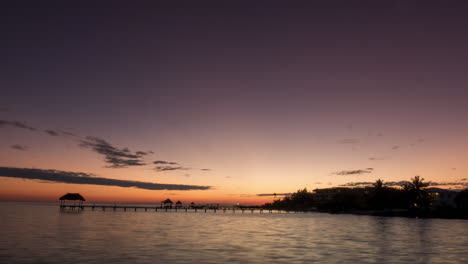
x: 163, y: 209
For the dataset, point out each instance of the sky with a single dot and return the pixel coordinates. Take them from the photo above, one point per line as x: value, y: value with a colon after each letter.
x: 229, y: 101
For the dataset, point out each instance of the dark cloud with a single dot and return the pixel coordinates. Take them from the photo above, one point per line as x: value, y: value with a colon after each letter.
x: 354, y: 172
x: 52, y: 132
x: 66, y: 133
x: 366, y: 184
x: 349, y: 141
x: 16, y: 124
x: 119, y: 162
x: 85, y: 178
x: 20, y: 147
x: 162, y: 162
x: 205, y: 169
x: 356, y: 184
x: 273, y: 194
x: 169, y: 168
x: 116, y: 158
x: 458, y: 185
x: 395, y: 147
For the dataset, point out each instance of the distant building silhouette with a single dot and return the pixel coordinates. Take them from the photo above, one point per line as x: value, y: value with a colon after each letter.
x: 442, y: 197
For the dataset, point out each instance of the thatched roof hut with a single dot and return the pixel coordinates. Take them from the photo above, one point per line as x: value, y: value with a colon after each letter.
x: 166, y: 203
x: 72, y: 197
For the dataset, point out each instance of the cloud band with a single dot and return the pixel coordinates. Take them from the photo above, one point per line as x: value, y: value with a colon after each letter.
x: 84, y: 178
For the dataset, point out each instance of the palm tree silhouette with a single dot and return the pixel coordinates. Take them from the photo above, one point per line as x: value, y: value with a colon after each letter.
x: 418, y: 197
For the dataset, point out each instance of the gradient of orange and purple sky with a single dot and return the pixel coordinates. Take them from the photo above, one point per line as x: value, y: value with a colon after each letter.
x: 248, y: 98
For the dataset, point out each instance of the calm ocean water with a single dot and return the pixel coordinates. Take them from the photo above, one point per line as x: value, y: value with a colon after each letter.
x: 34, y: 233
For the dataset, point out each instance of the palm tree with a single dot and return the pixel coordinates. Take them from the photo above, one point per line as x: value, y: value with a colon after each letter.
x: 378, y: 185
x: 377, y: 198
x: 418, y: 197
x: 418, y: 183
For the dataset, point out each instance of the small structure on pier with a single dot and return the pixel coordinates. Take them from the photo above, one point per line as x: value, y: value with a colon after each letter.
x: 178, y: 204
x: 167, y: 203
x: 72, y: 197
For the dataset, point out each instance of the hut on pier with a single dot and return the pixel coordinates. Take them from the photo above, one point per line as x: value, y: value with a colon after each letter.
x: 178, y: 204
x: 72, y: 197
x: 195, y: 206
x: 167, y: 203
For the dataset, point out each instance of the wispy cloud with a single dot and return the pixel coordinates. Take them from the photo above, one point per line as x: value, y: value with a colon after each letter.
x: 378, y: 158
x: 354, y: 172
x: 16, y: 124
x: 169, y: 168
x: 349, y: 141
x: 366, y: 184
x: 454, y: 185
x: 163, y: 162
x: 395, y: 147
x: 52, y: 132
x: 144, y: 153
x: 20, y: 147
x: 273, y: 194
x: 115, y: 157
x: 85, y: 178
x: 418, y: 141
x: 66, y: 133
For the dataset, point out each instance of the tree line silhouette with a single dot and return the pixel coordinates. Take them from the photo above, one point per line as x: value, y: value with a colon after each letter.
x: 412, y: 199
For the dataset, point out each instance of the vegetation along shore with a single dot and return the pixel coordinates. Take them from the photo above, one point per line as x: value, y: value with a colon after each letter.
x: 413, y: 199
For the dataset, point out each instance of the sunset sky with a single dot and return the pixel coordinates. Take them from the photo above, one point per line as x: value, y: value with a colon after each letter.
x: 221, y: 102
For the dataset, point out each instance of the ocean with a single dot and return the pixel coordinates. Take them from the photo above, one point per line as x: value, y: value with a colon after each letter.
x: 41, y: 233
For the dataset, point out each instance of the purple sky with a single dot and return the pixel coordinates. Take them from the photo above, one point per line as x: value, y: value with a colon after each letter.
x: 251, y: 89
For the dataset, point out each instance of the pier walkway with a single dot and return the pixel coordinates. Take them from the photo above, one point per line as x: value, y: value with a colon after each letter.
x: 163, y: 209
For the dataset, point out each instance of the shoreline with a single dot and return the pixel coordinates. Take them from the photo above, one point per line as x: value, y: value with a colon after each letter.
x: 453, y: 214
